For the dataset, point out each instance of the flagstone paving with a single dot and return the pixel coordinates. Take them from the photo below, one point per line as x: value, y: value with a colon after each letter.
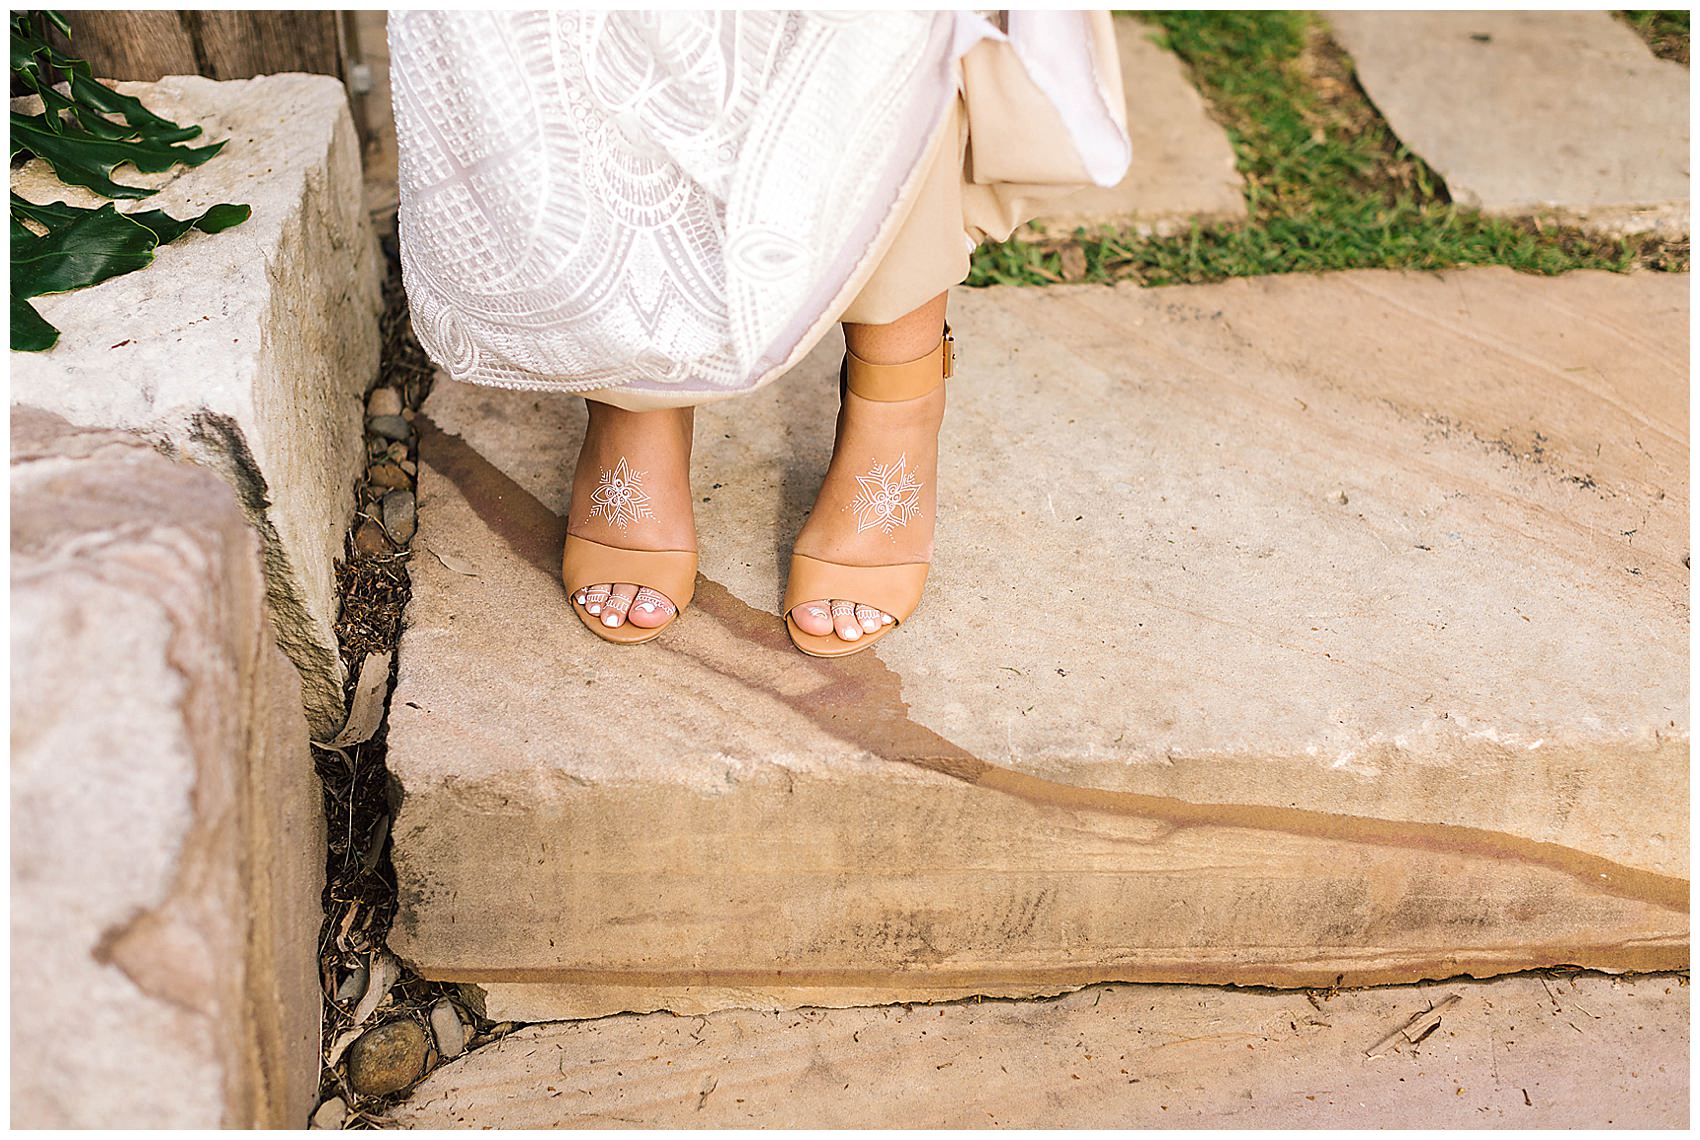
x: 1567, y: 113
x: 1183, y: 164
x: 1282, y: 631
x: 1520, y: 1051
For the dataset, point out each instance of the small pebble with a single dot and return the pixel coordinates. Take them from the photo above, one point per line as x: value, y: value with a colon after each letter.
x: 408, y: 466
x: 387, y: 1058
x: 330, y: 1115
x: 389, y: 427
x: 370, y: 539
x: 447, y: 1028
x: 400, y: 516
x: 383, y: 402
x: 397, y: 452
x: 389, y: 476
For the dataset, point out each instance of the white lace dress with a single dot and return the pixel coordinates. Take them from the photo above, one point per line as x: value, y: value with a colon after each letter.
x: 664, y: 208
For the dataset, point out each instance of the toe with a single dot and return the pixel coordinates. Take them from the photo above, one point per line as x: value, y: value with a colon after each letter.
x: 650, y: 609
x: 867, y: 617
x: 595, y: 597
x: 619, y: 601
x: 813, y: 617
x: 844, y: 620
x: 885, y: 618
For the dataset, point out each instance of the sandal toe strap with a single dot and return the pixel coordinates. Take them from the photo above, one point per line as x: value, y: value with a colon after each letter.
x: 894, y: 589
x: 672, y: 573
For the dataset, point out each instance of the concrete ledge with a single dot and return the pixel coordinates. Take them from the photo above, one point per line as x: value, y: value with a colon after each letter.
x: 1365, y: 660
x: 247, y: 351
x: 167, y: 832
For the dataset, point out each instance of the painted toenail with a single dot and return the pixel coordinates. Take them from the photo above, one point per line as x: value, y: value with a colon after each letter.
x: 852, y: 634
x: 886, y: 619
x: 594, y: 608
x: 610, y: 618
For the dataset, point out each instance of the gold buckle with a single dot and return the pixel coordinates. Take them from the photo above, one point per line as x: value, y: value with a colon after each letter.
x: 949, y: 353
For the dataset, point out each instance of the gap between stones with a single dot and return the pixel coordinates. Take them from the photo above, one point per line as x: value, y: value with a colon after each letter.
x: 359, y: 796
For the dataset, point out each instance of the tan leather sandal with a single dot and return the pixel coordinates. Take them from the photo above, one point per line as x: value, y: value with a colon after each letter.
x: 896, y: 589
x: 671, y: 573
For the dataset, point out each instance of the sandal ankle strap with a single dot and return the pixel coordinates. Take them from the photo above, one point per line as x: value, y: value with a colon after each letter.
x: 888, y: 383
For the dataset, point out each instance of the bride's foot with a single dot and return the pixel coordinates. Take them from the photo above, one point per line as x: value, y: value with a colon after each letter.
x: 632, y: 490
x: 877, y: 504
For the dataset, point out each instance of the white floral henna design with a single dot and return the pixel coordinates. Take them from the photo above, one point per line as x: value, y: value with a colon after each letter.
x: 888, y: 496
x: 619, y: 496
x: 650, y: 601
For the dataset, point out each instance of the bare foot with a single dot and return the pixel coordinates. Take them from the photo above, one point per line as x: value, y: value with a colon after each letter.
x: 632, y: 489
x: 877, y: 504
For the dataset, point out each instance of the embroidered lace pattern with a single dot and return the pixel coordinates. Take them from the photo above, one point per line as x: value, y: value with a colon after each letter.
x: 659, y: 200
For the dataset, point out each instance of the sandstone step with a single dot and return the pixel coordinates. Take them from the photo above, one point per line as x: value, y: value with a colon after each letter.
x: 168, y: 835
x: 1282, y: 631
x: 1183, y: 167
x: 1560, y: 113
x: 248, y: 351
x: 1521, y: 1051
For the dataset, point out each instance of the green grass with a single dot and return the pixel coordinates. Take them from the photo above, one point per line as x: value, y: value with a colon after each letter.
x: 1327, y: 185
x: 1665, y: 32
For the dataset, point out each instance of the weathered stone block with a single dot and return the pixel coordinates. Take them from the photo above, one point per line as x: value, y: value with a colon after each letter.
x: 1562, y: 114
x: 248, y: 351
x: 1521, y: 1051
x: 167, y: 831
x: 1280, y: 631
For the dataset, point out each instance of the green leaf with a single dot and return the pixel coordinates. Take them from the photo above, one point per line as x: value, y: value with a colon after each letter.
x: 81, y: 159
x: 96, y: 246
x: 30, y: 333
x: 54, y: 215
x: 22, y: 235
x: 213, y: 220
x: 97, y: 95
x: 81, y: 136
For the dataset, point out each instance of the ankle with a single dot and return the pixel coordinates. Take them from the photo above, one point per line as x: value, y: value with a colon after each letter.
x: 910, y: 337
x: 655, y: 419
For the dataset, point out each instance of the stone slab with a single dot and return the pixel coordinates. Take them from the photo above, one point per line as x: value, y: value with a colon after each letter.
x: 1515, y: 1052
x: 168, y: 846
x: 248, y: 351
x: 1560, y: 113
x: 1183, y: 167
x: 1364, y: 657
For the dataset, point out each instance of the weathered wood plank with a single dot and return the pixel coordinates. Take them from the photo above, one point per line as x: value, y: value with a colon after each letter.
x: 148, y: 45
